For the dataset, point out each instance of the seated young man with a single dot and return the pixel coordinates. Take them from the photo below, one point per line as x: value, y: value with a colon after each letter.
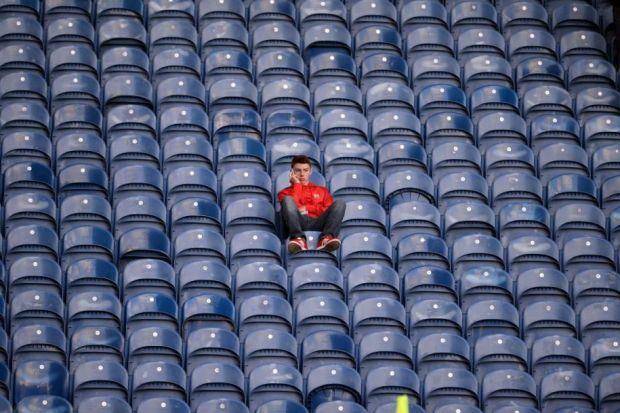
x: 309, y: 207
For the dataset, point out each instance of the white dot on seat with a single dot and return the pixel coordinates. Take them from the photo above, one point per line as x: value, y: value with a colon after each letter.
x: 583, y: 37
x: 532, y: 35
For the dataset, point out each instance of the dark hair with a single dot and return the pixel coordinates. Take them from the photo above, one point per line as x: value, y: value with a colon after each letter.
x: 300, y: 159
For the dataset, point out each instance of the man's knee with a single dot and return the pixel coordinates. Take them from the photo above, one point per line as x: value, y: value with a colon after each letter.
x: 288, y: 201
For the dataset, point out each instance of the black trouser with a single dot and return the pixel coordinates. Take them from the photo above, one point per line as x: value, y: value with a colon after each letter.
x: 328, y: 223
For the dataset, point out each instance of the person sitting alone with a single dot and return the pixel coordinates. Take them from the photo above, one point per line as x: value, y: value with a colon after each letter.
x: 309, y: 207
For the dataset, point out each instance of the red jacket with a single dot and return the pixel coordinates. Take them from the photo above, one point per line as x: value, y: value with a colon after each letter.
x: 315, y: 198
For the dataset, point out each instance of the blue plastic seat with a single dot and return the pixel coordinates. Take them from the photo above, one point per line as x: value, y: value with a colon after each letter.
x: 364, y: 14
x: 515, y: 187
x: 77, y: 119
x: 312, y: 280
x: 386, y: 128
x: 31, y: 240
x: 596, y: 101
x: 578, y: 188
x: 541, y: 285
x: 274, y: 36
x: 89, y: 309
x: 603, y: 163
x: 532, y: 252
x: 599, y: 320
x: 325, y: 347
x: 163, y: 405
x: 179, y: 11
x: 379, y: 67
x: 119, y: 8
x: 232, y: 94
x: 31, y: 59
x: 441, y: 351
x: 211, y: 345
x: 150, y: 309
x: 341, y: 406
x: 25, y: 117
x: 135, y: 180
x: 269, y: 346
x: 384, y: 348
x: 342, y: 123
x: 241, y: 153
x: 523, y: 15
x: 74, y: 148
x: 330, y: 383
x: 610, y: 199
x: 274, y: 381
x: 355, y: 185
x: 590, y: 72
x: 296, y: 125
x: 139, y: 211
x: 429, y: 41
x: 148, y: 276
x: 608, y: 391
x: 531, y: 43
x: 594, y: 285
x: 279, y: 65
x: 385, y: 383
x: 182, y: 151
x: 130, y: 118
x: 178, y: 34
x: 378, y: 314
x: 227, y: 65
x: 204, y: 277
x: 252, y: 246
x: 248, y: 215
x: 78, y: 58
x: 602, y: 362
x: 190, y: 182
x: 408, y: 185
x: 82, y: 179
x: 336, y: 95
x: 232, y: 10
x: 480, y: 70
x: 198, y: 244
x: 103, y: 404
x: 508, y: 388
x: 555, y: 386
x: 446, y: 386
x: 327, y: 40
x: 207, y: 310
x: 80, y: 210
x: 505, y: 126
x: 448, y: 128
x: 96, y: 344
x: 320, y: 314
x: 419, y: 250
x: 376, y: 39
x: 172, y: 63
x: 96, y: 379
x: 313, y: 12
x: 422, y: 14
x: 572, y: 221
x: 490, y: 99
x: 372, y: 281
x: 157, y: 343
x: 365, y: 247
x: 158, y: 379
x: 193, y: 212
x: 510, y: 157
x: 553, y: 128
x: 40, y: 378
x: 91, y: 274
x: 43, y: 403
x: 260, y: 278
x: 21, y: 30
x: 543, y: 319
x: 67, y: 31
x: 213, y: 381
x: 483, y: 282
x: 489, y: 317
x: 434, y: 316
x: 573, y: 16
x: 388, y: 96
x: 452, y: 156
x: 127, y: 89
x: 413, y: 217
x: 29, y: 209
x: 37, y: 342
x: 30, y: 272
x: 261, y: 12
x: 140, y: 243
x: 390, y: 407
x: 344, y: 154
x: 538, y: 71
x: 440, y: 98
x: 556, y: 353
x: 457, y: 188
x: 327, y: 66
x: 263, y: 311
x: 121, y: 60
x: 363, y: 216
x: 23, y: 87
x: 284, y: 94
x: 577, y: 44
x: 19, y: 7
x: 229, y: 124
x: 180, y: 90
x: 498, y: 352
x: 559, y: 159
x: 432, y: 69
x: 223, y: 35
x: 428, y: 282
x: 475, y: 42
x: 472, y: 15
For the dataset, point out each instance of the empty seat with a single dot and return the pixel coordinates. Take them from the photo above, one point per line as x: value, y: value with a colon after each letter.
x: 559, y: 159
x: 516, y: 187
x: 600, y: 131
x: 252, y: 246
x: 379, y: 67
x: 434, y: 316
x: 157, y: 343
x: 102, y: 404
x: 311, y: 280
x: 241, y: 153
x: 386, y: 128
x: 447, y: 386
x: 543, y: 319
x: 584, y: 253
x: 130, y: 119
x: 91, y: 309
x: 91, y: 274
x: 158, y: 379
x: 40, y: 378
x: 377, y: 314
x: 96, y: 344
x: 479, y: 41
x: 223, y: 35
x: 529, y: 43
x: 538, y: 71
x: 233, y: 10
x: 517, y: 16
x: 508, y: 388
x: 556, y: 353
x: 364, y: 13
x: 95, y: 379
x: 505, y: 127
x: 363, y: 216
x: 79, y: 210
x: 432, y: 69
x: 29, y: 209
x: 428, y: 282
x: 406, y: 186
x: 541, y: 285
x: 590, y: 72
x: 355, y: 185
x: 345, y: 154
x: 439, y: 351
x: 556, y: 386
x: 275, y: 313
x: 465, y: 187
x: 36, y: 342
x: 383, y: 384
x: 28, y: 177
x: 440, y: 98
x: 598, y: 320
x: 269, y: 346
x: 211, y: 345
x: 497, y: 352
x: 259, y: 278
x: 418, y: 250
x: 273, y: 36
x: 489, y: 317
x: 207, y: 310
x: 325, y: 347
x: 365, y: 248
x: 448, y: 128
x: 332, y: 382
x: 319, y: 313
x: 274, y: 382
x: 372, y: 281
x: 455, y: 155
x: 312, y: 13
x: 596, y: 101
x: 594, y: 285
x: 549, y: 129
x: 198, y: 244
x: 422, y: 14
x: 31, y: 240
x: 216, y: 380
x: 413, y: 217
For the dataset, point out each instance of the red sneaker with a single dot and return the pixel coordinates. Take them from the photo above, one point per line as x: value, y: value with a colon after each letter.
x: 297, y: 244
x: 328, y: 243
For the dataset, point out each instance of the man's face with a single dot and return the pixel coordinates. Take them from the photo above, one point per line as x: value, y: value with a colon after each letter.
x: 302, y: 172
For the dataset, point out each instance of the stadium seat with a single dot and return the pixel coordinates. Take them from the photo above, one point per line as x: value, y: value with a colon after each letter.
x: 207, y: 310
x: 515, y: 187
x: 204, y: 277
x: 363, y: 216
x: 365, y: 13
x: 516, y: 17
x: 538, y: 71
x: 269, y: 346
x: 439, y: 351
x: 383, y: 384
x: 529, y: 43
x: 556, y: 353
x: 541, y: 285
x: 259, y: 278
x: 90, y: 274
x: 27, y: 339
x: 281, y: 406
x: 102, y: 404
x: 330, y: 383
x: 211, y: 345
x: 422, y: 14
x: 40, y: 378
x: 223, y: 35
x: 532, y: 252
x: 150, y: 382
x: 232, y: 10
x: 263, y: 311
x: 446, y: 386
x: 555, y: 385
x: 434, y: 316
x: 498, y: 352
x: 320, y: 314
x: 344, y: 154
x: 96, y: 379
x: 432, y: 69
x: 457, y: 188
x: 608, y: 391
x: 311, y: 280
x: 424, y: 42
x: 96, y: 344
x: 490, y: 317
x: 440, y: 98
x: 90, y: 309
x: 153, y: 344
x: 274, y: 382
x: 428, y: 282
x: 313, y: 12
x: 43, y: 403
x: 326, y: 347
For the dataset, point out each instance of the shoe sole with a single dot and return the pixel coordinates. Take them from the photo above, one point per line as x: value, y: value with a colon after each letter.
x: 294, y: 248
x: 331, y: 246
